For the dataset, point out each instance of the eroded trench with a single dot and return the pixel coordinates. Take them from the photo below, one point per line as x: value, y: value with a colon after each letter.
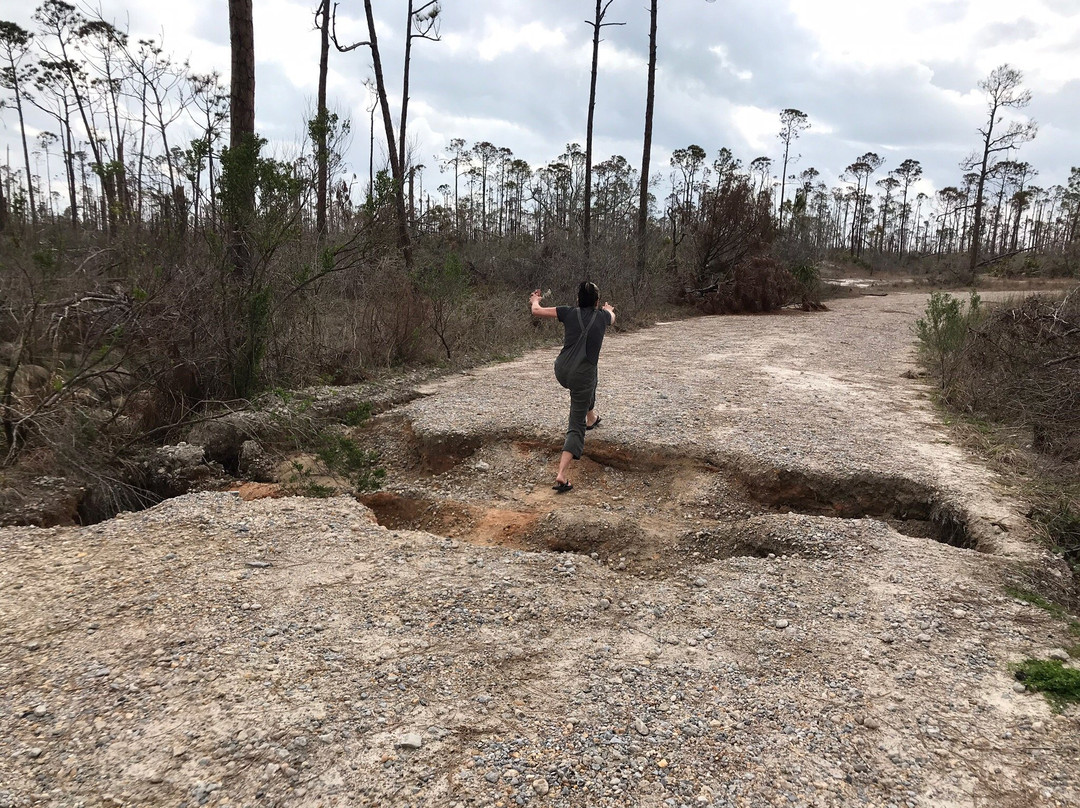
x: 645, y: 512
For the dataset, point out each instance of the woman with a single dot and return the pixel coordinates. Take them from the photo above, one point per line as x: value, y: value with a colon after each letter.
x: 584, y: 328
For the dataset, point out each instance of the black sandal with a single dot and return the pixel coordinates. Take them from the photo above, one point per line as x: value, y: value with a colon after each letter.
x: 595, y: 423
x: 562, y: 488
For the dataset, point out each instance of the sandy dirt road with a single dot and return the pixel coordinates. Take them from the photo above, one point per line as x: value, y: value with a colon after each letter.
x: 778, y: 581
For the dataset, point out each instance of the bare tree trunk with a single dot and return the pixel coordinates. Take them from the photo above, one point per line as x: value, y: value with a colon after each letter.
x: 242, y: 131
x: 404, y: 242
x: 69, y: 161
x: 26, y: 150
x: 643, y: 198
x: 586, y: 219
x: 322, y: 119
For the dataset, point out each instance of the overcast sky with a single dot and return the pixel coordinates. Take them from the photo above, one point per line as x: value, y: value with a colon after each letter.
x: 898, y: 78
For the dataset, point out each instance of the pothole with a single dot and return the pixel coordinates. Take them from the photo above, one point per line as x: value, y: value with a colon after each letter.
x: 907, y: 506
x: 646, y: 512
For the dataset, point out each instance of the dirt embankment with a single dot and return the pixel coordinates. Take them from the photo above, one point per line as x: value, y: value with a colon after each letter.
x: 777, y: 582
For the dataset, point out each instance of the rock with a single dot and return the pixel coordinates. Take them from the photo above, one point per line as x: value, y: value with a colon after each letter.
x: 253, y: 462
x: 42, y: 502
x: 181, y: 455
x: 1058, y: 653
x: 35, y: 752
x: 29, y: 379
x: 221, y: 438
x: 540, y: 786
x: 492, y: 776
x: 1019, y: 687
x: 641, y: 727
x: 202, y: 791
x: 411, y: 740
x: 180, y: 468
x: 782, y: 624
x: 871, y: 723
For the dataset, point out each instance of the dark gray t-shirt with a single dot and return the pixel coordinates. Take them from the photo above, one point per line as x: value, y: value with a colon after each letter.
x: 594, y: 340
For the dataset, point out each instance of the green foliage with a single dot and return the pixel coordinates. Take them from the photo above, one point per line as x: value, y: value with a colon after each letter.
x: 302, y: 480
x: 1059, y: 684
x: 1036, y: 600
x: 253, y: 347
x: 45, y: 258
x: 382, y: 195
x: 807, y: 282
x: 449, y: 283
x: 446, y: 288
x: 943, y: 332
x: 239, y: 177
x: 322, y: 126
x: 358, y: 415
x: 344, y: 457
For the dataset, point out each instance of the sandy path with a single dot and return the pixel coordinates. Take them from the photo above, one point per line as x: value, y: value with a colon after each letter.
x: 753, y: 609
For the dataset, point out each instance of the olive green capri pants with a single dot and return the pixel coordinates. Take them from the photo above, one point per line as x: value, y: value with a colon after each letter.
x: 582, y: 388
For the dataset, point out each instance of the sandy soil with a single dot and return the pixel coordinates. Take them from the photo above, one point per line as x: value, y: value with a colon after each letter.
x: 778, y: 581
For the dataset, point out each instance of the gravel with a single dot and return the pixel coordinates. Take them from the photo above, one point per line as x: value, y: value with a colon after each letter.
x: 850, y: 664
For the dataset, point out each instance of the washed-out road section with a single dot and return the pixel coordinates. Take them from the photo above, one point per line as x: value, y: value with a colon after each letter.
x: 777, y: 581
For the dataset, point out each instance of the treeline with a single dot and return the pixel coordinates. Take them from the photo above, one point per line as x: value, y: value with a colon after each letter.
x: 156, y: 260
x: 139, y: 141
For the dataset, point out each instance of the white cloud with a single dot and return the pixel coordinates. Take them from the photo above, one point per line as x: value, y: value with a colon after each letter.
x: 757, y: 126
x: 501, y: 36
x: 721, y: 53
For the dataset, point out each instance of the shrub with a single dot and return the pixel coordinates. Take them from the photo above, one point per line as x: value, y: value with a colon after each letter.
x: 943, y: 334
x: 757, y: 285
x: 1021, y: 367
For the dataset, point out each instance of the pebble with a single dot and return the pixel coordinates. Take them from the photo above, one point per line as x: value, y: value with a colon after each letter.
x: 1019, y: 687
x: 412, y: 740
x: 540, y: 786
x: 35, y: 752
x: 1058, y: 653
x: 641, y: 727
x: 782, y: 624
x: 492, y: 776
x: 871, y: 723
x: 41, y: 710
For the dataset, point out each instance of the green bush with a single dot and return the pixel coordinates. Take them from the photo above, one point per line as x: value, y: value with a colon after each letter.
x: 344, y: 457
x: 943, y: 334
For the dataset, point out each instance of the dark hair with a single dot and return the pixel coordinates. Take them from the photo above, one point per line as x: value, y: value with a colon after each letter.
x: 587, y: 295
